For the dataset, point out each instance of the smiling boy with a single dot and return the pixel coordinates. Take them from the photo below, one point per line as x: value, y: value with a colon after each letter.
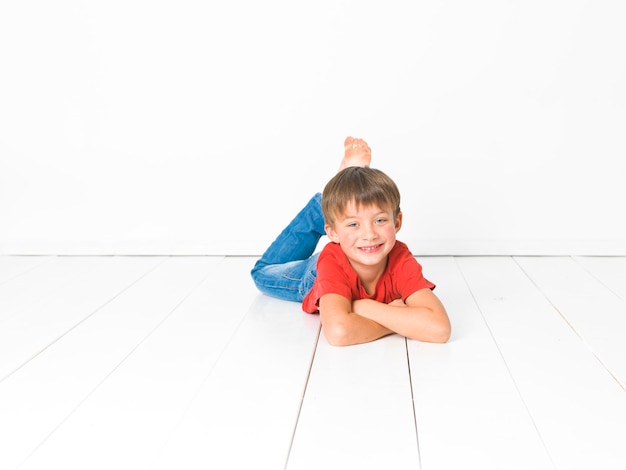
x: 365, y: 284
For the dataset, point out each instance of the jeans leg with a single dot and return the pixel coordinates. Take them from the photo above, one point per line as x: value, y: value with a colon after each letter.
x: 287, y: 281
x: 287, y: 268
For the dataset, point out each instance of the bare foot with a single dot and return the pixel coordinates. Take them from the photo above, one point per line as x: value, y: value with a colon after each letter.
x: 357, y: 153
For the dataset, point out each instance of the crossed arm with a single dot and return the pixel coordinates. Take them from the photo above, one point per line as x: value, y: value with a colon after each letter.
x: 421, y: 317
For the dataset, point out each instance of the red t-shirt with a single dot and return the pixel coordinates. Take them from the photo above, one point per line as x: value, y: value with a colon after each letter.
x: 401, y: 278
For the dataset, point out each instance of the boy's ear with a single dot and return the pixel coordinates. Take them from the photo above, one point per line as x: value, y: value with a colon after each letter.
x: 399, y: 221
x: 330, y: 232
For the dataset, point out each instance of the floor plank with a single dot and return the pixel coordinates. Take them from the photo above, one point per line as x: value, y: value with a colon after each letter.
x: 37, y: 399
x: 140, y: 362
x: 469, y: 411
x: 578, y: 409
x: 136, y: 409
x: 36, y: 285
x: 609, y: 270
x: 358, y: 411
x: 14, y: 266
x: 38, y: 325
x: 246, y: 410
x: 595, y: 312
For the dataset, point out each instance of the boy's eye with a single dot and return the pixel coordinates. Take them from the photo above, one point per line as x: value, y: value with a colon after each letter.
x: 353, y: 224
x: 381, y: 221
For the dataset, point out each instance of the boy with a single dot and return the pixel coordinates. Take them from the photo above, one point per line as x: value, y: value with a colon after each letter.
x: 365, y: 284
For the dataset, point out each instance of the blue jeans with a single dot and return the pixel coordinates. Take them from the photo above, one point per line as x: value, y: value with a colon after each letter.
x: 287, y: 269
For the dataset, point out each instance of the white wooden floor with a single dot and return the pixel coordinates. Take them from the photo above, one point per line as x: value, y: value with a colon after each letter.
x: 178, y: 363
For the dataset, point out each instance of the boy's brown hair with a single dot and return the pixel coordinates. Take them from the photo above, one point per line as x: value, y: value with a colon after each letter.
x: 363, y: 185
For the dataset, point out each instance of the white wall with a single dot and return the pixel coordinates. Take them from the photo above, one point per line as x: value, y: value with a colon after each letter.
x: 194, y: 126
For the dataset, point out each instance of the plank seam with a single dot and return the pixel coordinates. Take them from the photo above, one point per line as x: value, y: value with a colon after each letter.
x: 306, y: 384
x: 584, y: 268
x: 36, y: 266
x: 417, y: 437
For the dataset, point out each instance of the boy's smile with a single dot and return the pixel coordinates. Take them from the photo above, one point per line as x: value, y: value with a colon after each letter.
x: 371, y: 249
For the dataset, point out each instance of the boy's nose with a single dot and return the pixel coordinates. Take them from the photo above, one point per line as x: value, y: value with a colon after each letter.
x: 368, y: 232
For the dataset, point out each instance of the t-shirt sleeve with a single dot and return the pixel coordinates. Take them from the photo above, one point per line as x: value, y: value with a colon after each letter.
x: 410, y: 277
x: 332, y: 278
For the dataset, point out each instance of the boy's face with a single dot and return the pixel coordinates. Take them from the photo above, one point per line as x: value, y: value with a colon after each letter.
x: 366, y: 234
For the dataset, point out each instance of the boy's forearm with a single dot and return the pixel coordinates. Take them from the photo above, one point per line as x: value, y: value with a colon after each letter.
x: 351, y: 328
x: 420, y: 323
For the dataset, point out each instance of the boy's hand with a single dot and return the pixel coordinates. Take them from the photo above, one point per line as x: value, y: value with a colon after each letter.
x: 397, y: 303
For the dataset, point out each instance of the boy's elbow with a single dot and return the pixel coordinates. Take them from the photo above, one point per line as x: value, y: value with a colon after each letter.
x: 337, y: 335
x: 442, y: 337
x: 442, y: 333
x: 436, y: 334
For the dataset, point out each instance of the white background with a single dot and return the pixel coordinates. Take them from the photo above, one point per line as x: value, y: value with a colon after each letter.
x: 202, y: 127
